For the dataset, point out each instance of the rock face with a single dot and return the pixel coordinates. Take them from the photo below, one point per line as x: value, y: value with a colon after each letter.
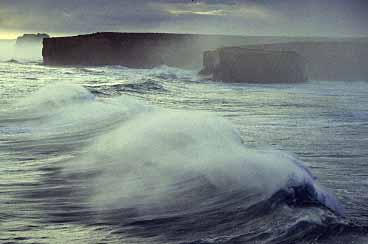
x: 135, y: 50
x: 237, y: 64
x: 330, y: 60
x: 31, y: 39
x: 255, y: 59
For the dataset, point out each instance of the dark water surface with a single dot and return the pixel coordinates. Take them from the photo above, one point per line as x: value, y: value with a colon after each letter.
x: 116, y: 155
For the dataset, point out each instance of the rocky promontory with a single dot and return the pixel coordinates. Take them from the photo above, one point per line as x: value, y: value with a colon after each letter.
x: 236, y: 64
x: 31, y: 39
x: 329, y: 60
x: 233, y: 59
x: 134, y: 50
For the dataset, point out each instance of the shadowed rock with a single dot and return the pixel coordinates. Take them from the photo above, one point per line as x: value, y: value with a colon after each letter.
x: 134, y: 50
x: 237, y: 64
x: 329, y: 60
x: 255, y: 59
x: 142, y: 50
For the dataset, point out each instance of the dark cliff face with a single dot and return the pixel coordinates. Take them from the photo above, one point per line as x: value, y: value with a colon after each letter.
x: 254, y: 66
x: 344, y: 60
x: 282, y: 57
x: 135, y: 50
x: 141, y: 50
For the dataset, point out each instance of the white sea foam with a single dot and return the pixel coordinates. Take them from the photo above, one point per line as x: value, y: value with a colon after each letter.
x: 69, y: 108
x: 56, y: 95
x: 151, y: 150
x: 141, y: 161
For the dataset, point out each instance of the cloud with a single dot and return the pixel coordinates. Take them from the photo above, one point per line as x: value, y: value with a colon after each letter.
x: 246, y: 17
x: 217, y: 9
x: 76, y: 16
x: 191, y: 12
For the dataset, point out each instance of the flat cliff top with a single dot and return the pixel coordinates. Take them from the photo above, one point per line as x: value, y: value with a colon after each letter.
x: 113, y: 35
x: 256, y: 50
x: 313, y: 44
x: 275, y: 39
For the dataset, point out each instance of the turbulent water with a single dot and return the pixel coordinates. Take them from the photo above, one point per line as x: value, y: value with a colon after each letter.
x: 117, y: 155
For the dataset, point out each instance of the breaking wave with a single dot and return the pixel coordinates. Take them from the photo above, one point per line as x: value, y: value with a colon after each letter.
x: 153, y: 171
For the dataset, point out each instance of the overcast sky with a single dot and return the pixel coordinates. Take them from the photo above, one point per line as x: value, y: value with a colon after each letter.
x: 242, y: 17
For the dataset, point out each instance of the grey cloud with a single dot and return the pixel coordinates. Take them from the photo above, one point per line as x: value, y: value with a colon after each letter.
x: 262, y: 17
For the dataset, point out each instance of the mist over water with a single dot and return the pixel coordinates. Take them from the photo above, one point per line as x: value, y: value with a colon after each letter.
x: 9, y: 51
x: 113, y: 155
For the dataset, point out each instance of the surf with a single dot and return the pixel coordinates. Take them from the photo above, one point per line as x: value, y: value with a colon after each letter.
x: 136, y: 165
x: 150, y: 149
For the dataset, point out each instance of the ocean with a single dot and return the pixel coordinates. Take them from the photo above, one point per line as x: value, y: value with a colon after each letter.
x: 117, y: 155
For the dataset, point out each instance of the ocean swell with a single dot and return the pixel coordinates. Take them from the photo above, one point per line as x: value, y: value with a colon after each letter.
x: 153, y: 171
x: 145, y: 161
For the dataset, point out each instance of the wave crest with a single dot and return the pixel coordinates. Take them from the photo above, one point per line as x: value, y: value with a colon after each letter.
x: 55, y: 96
x: 155, y: 158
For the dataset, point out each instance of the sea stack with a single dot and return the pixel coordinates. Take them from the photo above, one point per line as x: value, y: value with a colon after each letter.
x: 134, y: 50
x: 345, y: 60
x: 234, y: 59
x: 31, y: 39
x: 236, y: 64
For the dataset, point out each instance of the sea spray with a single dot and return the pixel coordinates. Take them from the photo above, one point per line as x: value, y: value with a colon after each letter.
x: 148, y: 156
x: 144, y: 161
x: 64, y: 165
x: 10, y: 51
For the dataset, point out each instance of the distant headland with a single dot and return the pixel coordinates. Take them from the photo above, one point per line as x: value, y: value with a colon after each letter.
x: 29, y: 39
x: 224, y: 58
x: 134, y: 50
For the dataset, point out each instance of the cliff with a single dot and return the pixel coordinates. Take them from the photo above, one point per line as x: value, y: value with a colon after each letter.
x: 135, y: 50
x: 142, y: 50
x: 323, y: 58
x: 30, y: 39
x: 235, y: 64
x: 329, y: 60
